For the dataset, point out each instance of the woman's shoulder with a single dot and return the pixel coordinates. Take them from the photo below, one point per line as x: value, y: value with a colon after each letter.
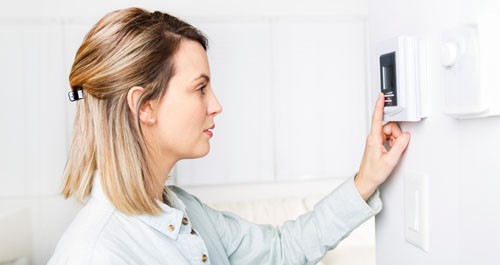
x: 78, y: 241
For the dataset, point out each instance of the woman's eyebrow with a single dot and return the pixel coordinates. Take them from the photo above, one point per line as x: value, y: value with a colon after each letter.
x: 206, y: 77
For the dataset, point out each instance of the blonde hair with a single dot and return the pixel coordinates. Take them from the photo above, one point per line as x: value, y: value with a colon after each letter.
x: 125, y: 48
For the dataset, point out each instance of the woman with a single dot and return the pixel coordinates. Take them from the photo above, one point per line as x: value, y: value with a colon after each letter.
x: 142, y: 82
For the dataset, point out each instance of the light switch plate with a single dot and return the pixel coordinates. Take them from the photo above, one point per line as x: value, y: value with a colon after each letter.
x: 416, y: 202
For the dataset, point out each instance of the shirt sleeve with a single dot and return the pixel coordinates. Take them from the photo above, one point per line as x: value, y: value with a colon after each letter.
x: 304, y: 240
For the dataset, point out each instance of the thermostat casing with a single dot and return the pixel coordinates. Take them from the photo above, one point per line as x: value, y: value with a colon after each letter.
x: 402, y: 77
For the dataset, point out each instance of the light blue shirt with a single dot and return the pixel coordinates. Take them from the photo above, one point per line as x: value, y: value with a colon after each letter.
x: 100, y: 234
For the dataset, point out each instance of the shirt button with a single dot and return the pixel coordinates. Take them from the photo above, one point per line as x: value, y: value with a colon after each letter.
x: 204, y: 258
x: 171, y: 227
x: 184, y: 221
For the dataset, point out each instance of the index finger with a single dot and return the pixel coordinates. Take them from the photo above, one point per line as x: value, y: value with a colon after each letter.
x: 378, y: 114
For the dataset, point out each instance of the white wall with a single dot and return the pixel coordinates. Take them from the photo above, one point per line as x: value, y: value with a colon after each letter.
x: 216, y: 8
x: 459, y: 156
x: 284, y: 84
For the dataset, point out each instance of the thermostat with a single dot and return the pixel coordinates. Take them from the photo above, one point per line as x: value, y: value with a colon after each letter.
x: 402, y: 77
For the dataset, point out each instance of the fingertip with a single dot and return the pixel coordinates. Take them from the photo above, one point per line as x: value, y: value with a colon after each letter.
x: 397, y: 131
x: 377, y: 117
x: 401, y: 143
x: 380, y: 100
x: 405, y: 140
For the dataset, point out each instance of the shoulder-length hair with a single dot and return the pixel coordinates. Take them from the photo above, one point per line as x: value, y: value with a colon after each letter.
x: 126, y: 48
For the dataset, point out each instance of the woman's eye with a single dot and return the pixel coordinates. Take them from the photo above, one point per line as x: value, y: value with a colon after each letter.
x: 201, y: 89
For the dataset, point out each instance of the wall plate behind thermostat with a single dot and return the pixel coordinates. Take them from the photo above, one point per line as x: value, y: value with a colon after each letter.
x: 402, y: 77
x: 470, y: 55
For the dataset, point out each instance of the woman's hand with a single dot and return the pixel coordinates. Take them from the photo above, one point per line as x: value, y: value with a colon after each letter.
x: 378, y: 162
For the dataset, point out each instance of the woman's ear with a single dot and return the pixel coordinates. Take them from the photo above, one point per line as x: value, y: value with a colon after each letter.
x: 146, y: 111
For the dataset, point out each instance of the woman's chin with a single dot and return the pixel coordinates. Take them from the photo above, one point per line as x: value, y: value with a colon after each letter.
x: 202, y: 151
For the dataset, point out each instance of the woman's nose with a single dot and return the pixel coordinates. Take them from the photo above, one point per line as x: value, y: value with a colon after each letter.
x: 215, y: 107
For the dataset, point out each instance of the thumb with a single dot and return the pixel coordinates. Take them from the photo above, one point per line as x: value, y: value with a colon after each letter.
x: 398, y: 148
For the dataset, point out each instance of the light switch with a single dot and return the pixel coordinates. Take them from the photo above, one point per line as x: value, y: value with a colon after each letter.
x: 415, y: 213
x: 416, y: 204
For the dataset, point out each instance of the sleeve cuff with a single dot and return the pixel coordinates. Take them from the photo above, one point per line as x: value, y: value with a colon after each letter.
x: 374, y: 202
x: 347, y: 205
x: 348, y: 191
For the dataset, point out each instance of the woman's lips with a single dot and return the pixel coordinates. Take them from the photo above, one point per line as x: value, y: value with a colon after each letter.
x: 209, y: 133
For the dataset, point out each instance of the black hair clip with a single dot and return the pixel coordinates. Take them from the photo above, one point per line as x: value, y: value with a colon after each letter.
x: 76, y: 94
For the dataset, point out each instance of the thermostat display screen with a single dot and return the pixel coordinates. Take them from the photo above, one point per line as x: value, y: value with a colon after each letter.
x: 388, y: 83
x: 388, y: 76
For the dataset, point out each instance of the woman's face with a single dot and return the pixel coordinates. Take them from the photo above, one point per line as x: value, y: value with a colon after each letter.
x: 185, y: 112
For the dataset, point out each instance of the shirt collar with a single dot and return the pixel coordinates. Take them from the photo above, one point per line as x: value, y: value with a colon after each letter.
x: 168, y: 221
